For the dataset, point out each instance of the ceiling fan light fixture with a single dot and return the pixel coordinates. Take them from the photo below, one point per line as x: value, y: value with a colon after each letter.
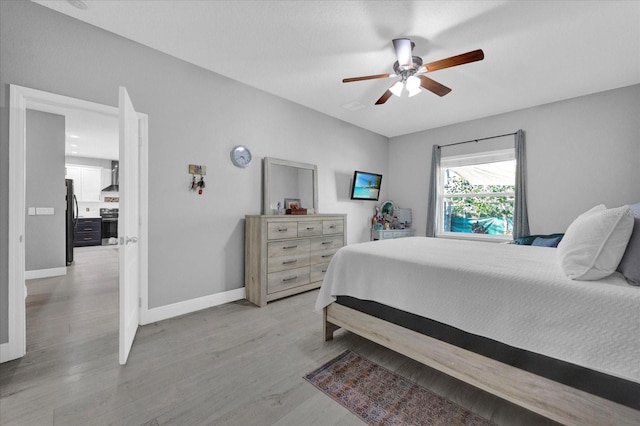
x: 413, y: 92
x: 413, y: 85
x: 403, y: 50
x: 396, y: 89
x: 413, y: 82
x: 410, y: 70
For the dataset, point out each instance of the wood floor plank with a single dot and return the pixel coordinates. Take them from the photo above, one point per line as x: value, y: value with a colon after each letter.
x: 233, y: 364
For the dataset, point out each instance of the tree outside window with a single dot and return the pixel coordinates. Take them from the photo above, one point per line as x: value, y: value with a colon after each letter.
x: 478, y: 198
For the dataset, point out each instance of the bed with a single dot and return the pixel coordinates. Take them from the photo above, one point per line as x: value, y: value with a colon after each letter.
x: 502, y: 317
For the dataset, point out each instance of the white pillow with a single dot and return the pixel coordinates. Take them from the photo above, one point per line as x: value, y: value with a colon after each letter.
x: 595, y: 242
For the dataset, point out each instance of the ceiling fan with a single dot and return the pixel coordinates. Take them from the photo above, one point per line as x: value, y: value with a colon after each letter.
x: 411, y: 71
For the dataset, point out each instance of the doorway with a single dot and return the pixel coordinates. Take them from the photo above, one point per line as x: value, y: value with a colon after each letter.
x: 21, y: 99
x: 81, y: 302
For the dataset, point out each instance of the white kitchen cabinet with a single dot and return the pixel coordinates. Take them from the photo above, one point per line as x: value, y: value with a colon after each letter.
x: 87, y: 182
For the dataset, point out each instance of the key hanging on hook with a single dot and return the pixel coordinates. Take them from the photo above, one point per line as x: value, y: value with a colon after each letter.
x: 194, y: 184
x: 200, y: 185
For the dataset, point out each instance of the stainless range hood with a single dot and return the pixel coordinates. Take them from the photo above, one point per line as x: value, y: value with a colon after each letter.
x: 115, y: 179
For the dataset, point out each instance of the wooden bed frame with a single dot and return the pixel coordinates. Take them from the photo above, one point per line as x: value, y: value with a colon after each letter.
x: 551, y: 399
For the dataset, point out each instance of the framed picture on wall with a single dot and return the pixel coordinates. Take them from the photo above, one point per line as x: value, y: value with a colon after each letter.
x: 292, y: 203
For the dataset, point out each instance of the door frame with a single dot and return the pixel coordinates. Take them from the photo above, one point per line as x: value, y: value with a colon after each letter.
x: 21, y: 99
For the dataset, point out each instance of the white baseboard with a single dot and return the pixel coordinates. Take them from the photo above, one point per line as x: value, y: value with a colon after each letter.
x: 5, y: 353
x: 188, y: 306
x: 45, y: 273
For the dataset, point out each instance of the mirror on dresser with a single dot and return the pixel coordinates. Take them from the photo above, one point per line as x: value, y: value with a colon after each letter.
x: 285, y: 179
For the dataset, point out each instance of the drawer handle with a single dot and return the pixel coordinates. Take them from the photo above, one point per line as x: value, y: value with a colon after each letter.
x: 310, y: 228
x: 88, y: 229
x: 289, y: 262
x: 324, y: 243
x: 282, y: 229
x: 87, y: 238
x: 289, y: 247
x: 324, y: 256
x: 284, y: 280
x: 324, y: 271
x: 332, y: 227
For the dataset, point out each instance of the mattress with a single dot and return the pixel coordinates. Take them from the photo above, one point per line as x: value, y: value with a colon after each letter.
x: 516, y: 295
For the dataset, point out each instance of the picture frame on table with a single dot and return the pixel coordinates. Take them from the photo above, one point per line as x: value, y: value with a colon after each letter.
x: 292, y: 203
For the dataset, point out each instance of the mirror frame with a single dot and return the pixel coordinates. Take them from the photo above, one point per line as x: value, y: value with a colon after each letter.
x: 268, y: 163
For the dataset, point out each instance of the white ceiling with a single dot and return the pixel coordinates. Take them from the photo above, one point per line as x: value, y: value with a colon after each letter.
x: 536, y: 52
x: 91, y: 135
x: 87, y: 134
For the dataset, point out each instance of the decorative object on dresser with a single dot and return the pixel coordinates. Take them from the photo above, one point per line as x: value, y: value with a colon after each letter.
x: 87, y: 232
x: 390, y: 221
x: 286, y: 255
x: 292, y: 206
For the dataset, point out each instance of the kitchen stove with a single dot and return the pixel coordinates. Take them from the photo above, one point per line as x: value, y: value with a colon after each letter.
x: 109, y: 226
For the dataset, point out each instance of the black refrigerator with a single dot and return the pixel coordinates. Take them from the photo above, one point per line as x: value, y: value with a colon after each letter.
x: 71, y: 217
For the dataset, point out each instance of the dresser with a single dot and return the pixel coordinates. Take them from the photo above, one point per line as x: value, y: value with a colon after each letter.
x: 385, y: 234
x: 289, y: 254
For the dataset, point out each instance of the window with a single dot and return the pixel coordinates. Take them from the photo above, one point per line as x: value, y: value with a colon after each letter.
x: 476, y: 197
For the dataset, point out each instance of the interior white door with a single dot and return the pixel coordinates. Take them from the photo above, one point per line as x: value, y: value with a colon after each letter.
x: 128, y: 224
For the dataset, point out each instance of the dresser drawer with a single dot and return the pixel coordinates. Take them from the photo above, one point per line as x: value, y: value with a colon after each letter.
x: 281, y: 230
x: 317, y: 272
x: 309, y: 229
x: 323, y: 256
x: 332, y: 227
x: 286, y: 248
x: 327, y: 243
x: 279, y: 281
x: 283, y: 263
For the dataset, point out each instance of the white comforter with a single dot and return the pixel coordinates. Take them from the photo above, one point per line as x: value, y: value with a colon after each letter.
x: 515, y: 294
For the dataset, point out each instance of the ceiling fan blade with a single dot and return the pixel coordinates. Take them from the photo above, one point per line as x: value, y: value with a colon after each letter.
x: 384, y: 97
x: 465, y: 58
x: 433, y: 86
x: 403, y: 48
x: 367, y: 77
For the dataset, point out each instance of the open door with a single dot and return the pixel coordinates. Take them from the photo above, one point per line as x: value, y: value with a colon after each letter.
x: 128, y: 224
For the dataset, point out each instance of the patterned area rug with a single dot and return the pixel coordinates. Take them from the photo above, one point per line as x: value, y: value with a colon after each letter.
x: 381, y: 397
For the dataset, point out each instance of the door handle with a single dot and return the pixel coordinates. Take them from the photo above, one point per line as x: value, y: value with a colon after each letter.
x: 131, y: 240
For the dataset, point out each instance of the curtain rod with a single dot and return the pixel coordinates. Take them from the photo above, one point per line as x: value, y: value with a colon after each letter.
x: 477, y: 140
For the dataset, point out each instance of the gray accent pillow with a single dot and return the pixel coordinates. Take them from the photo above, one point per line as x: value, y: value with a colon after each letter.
x: 629, y: 266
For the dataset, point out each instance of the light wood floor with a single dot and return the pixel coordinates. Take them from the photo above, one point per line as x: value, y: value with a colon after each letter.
x: 234, y: 364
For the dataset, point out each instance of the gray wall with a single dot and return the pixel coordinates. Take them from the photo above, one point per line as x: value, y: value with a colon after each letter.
x: 45, y: 235
x: 581, y: 152
x: 196, y: 242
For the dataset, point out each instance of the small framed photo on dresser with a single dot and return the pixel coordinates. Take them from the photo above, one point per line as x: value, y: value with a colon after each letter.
x: 292, y: 203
